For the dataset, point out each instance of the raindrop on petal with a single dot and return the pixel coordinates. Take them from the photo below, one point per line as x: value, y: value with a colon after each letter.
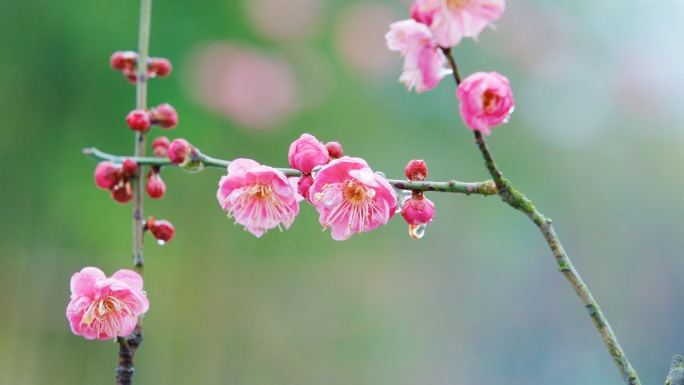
x: 160, y: 242
x: 417, y: 231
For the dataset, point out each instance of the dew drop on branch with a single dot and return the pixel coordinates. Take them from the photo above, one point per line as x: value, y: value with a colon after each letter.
x: 161, y: 242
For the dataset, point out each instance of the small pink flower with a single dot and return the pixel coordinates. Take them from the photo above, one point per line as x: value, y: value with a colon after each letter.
x: 423, y: 62
x: 306, y: 153
x: 258, y: 197
x: 350, y: 198
x: 452, y: 20
x: 105, y: 308
x: 418, y: 210
x: 486, y: 100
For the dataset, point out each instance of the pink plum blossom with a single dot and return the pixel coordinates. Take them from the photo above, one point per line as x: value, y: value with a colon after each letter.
x: 258, y: 197
x: 350, y: 198
x: 105, y: 308
x: 423, y: 61
x: 306, y: 153
x: 486, y: 100
x: 452, y: 20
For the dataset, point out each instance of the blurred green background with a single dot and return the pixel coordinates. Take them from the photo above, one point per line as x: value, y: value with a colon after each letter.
x: 595, y: 142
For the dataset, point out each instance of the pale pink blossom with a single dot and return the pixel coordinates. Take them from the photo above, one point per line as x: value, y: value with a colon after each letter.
x: 257, y: 197
x: 423, y: 61
x: 350, y: 198
x: 452, y: 20
x: 306, y: 153
x: 486, y: 100
x: 105, y: 308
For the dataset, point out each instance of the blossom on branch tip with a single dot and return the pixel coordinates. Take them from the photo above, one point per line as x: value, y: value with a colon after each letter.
x: 452, y: 20
x: 306, y: 153
x: 105, y: 308
x: 258, y: 197
x: 423, y: 61
x: 350, y: 198
x: 486, y: 100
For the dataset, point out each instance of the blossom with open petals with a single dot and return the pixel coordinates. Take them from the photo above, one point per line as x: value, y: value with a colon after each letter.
x: 486, y: 100
x: 105, y: 308
x: 350, y: 198
x: 452, y: 20
x: 257, y: 197
x: 423, y: 61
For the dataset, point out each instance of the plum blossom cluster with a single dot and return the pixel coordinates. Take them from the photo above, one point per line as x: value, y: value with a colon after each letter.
x: 423, y: 40
x: 349, y: 197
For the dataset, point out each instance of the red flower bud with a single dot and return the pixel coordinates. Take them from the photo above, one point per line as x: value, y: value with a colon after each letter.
x: 129, y: 168
x: 164, y: 115
x: 138, y: 120
x: 107, y: 174
x: 334, y: 150
x: 179, y: 150
x: 121, y: 60
x: 162, y: 230
x: 122, y: 192
x: 160, y: 147
x: 304, y: 184
x: 416, y: 170
x: 155, y: 185
x: 160, y: 67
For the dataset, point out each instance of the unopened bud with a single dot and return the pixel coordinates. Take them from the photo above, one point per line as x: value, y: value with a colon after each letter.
x: 122, y: 192
x: 416, y: 170
x: 164, y: 115
x: 179, y: 151
x: 107, y: 174
x: 334, y: 150
x: 304, y: 184
x: 138, y: 120
x: 129, y: 168
x: 418, y: 210
x: 162, y: 230
x: 159, y: 67
x: 155, y: 185
x: 160, y: 147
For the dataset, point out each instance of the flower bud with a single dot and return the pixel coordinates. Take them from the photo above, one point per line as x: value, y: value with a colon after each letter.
x: 486, y: 100
x: 162, y: 230
x: 159, y: 67
x: 121, y: 60
x: 418, y: 210
x: 179, y: 150
x: 155, y: 185
x: 164, y: 115
x: 122, y: 192
x: 160, y: 147
x: 129, y: 168
x: 304, y: 184
x: 416, y: 170
x: 138, y: 120
x: 107, y: 174
x: 130, y: 75
x: 306, y: 153
x: 334, y: 150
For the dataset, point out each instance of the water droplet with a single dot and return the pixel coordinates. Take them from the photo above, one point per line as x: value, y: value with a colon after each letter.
x: 315, y: 171
x: 160, y: 242
x: 402, y: 196
x: 417, y: 231
x: 381, y: 174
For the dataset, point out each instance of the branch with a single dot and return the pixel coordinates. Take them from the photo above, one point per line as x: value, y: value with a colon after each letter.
x: 676, y: 374
x: 519, y: 202
x: 487, y: 187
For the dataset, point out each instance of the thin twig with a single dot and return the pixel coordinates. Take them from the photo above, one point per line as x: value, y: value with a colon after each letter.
x: 487, y: 187
x: 129, y: 346
x: 519, y: 202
